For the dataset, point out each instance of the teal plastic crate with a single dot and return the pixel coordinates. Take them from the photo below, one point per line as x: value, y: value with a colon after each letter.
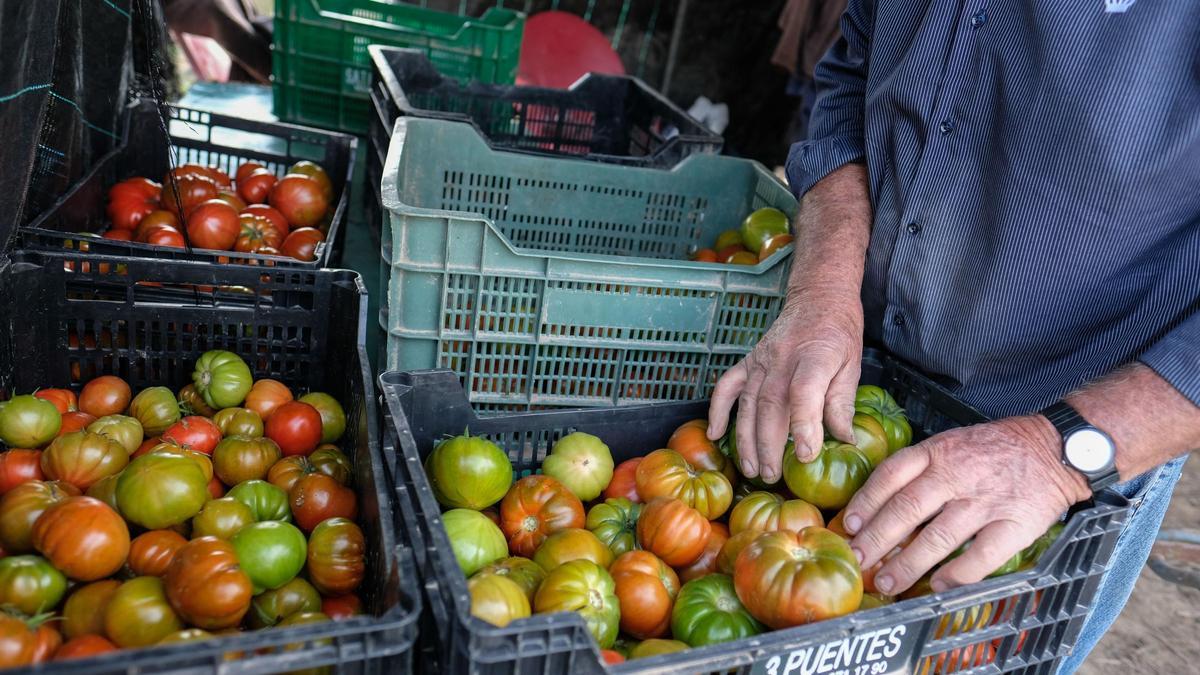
x: 322, y: 72
x: 547, y: 282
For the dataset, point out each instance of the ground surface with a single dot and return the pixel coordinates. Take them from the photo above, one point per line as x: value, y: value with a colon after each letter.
x: 1159, y: 631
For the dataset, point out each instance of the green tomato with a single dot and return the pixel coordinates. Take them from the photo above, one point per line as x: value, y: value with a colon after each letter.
x: 221, y: 518
x: 27, y: 421
x: 138, y: 614
x: 707, y: 612
x: 468, y: 472
x: 1011, y: 565
x: 582, y: 462
x: 155, y: 409
x: 222, y: 378
x: 105, y: 490
x: 476, y: 540
x: 265, y: 501
x: 159, y: 490
x: 830, y: 480
x: 761, y: 225
x: 877, y: 403
x: 655, y: 647
x: 526, y: 573
x: 1035, y: 551
x: 583, y: 586
x: 295, y: 597
x: 333, y: 418
x: 271, y: 553
x: 615, y: 523
x: 123, y: 429
x: 30, y: 584
x: 871, y: 438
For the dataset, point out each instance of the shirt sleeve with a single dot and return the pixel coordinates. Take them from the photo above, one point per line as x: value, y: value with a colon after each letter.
x: 835, y: 130
x: 1176, y: 357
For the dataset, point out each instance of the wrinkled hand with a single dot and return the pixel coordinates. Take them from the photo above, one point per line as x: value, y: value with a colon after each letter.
x: 1001, y: 482
x: 805, y: 369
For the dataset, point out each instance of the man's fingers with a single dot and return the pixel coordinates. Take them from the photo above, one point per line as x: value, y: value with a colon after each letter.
x: 747, y: 437
x: 728, y: 388
x: 993, y: 546
x: 954, y: 525
x: 899, y: 517
x: 771, y: 426
x: 806, y: 403
x: 839, y: 401
x: 886, y: 480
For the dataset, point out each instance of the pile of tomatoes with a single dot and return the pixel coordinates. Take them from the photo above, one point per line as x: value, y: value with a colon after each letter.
x: 264, y: 214
x: 128, y: 521
x: 674, y: 549
x: 762, y: 233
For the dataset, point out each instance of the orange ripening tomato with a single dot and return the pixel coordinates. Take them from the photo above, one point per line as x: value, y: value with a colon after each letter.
x: 151, y: 552
x: 62, y: 399
x: 787, y: 579
x: 705, y: 255
x: 266, y: 395
x: 691, y: 441
x: 768, y: 512
x: 84, y: 646
x: 665, y: 473
x: 673, y: 531
x: 624, y: 481
x: 76, y: 420
x: 153, y: 221
x: 612, y: 657
x: 46, y: 641
x: 206, y: 586
x: 83, y: 537
x: 774, y: 244
x: 105, y: 395
x: 646, y: 588
x: 706, y: 564
x: 535, y: 507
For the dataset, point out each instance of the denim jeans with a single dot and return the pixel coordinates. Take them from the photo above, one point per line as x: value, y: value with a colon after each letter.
x: 1149, y: 495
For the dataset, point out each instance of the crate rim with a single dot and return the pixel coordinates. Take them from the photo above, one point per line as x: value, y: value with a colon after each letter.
x: 468, y: 23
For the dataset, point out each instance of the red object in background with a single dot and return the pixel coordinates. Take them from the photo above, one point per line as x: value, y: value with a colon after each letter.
x: 559, y: 48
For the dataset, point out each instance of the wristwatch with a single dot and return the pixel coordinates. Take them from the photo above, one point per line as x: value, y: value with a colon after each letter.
x: 1086, y: 449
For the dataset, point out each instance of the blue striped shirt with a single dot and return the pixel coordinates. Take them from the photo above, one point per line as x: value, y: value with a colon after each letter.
x: 1035, y: 173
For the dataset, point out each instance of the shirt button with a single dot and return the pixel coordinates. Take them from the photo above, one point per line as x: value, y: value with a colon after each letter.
x: 946, y: 126
x: 914, y: 228
x: 979, y: 19
x: 898, y: 318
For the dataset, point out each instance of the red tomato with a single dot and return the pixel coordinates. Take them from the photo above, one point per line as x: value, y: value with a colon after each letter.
x: 623, y: 483
x: 256, y: 186
x: 317, y: 497
x: 152, y: 222
x: 75, y: 421
x: 300, y: 199
x: 146, y: 446
x: 105, y: 395
x: 270, y: 214
x: 341, y: 607
x: 301, y: 244
x: 119, y: 235
x: 230, y: 197
x: 197, y: 433
x: 18, y: 466
x: 192, y: 191
x: 246, y: 169
x: 165, y: 235
x: 214, y: 225
x: 256, y: 233
x: 611, y: 657
x: 295, y: 427
x: 216, y: 489
x: 47, y: 640
x: 130, y: 201
x: 63, y: 399
x: 212, y: 173
x: 83, y: 646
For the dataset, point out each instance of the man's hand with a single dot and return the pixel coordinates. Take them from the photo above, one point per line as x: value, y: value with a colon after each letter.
x: 1002, y: 482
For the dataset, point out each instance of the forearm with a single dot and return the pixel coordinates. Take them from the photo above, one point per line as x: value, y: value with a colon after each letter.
x: 832, y: 230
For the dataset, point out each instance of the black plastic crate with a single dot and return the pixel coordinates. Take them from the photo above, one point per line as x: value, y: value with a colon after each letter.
x: 201, y: 137
x: 1034, y: 616
x: 66, y: 318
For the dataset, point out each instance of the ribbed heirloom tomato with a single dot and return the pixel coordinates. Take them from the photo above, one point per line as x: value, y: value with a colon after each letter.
x: 151, y: 553
x: 300, y: 199
x: 83, y: 537
x: 156, y: 408
x: 222, y: 378
x: 205, y: 585
x: 673, y: 531
x: 266, y: 395
x: 526, y: 573
x: 266, y: 502
x: 130, y: 201
x: 475, y: 540
x: 82, y: 458
x: 194, y: 432
x: 83, y: 613
x: 192, y: 191
x: 646, y: 588
x: 768, y: 512
x: 574, y: 544
x: 614, y: 522
x: 256, y: 233
x: 77, y: 420
x: 317, y: 497
x: 707, y: 562
x: 138, y: 614
x: 238, y: 421
x: 62, y: 399
x: 125, y: 430
x: 336, y: 556
x: 28, y: 422
x: 30, y: 584
x: 583, y: 586
x: 496, y: 599
x: 333, y: 418
x: 254, y: 186
x: 830, y: 480
x: 707, y: 612
x: 691, y: 441
x: 790, y: 578
x: 221, y: 518
x: 727, y: 558
x: 158, y: 490
x: 468, y: 472
x: 22, y: 506
x: 665, y: 473
x: 301, y: 244
x: 582, y: 462
x: 295, y: 597
x: 535, y: 507
x: 327, y: 459
x: 237, y: 458
x: 878, y: 403
x: 295, y: 427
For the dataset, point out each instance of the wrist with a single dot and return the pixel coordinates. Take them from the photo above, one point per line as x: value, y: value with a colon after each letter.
x: 1045, y: 438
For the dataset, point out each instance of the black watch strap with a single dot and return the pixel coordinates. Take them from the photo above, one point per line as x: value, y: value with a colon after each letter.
x: 1066, y: 419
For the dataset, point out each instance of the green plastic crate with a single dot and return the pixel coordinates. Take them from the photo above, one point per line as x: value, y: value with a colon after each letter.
x: 547, y: 282
x: 322, y: 72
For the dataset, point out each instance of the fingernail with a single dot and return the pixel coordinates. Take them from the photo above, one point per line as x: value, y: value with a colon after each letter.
x: 938, y: 585
x: 711, y: 431
x: 768, y: 475
x: 803, y: 452
x: 748, y: 470
x: 852, y: 523
x: 857, y: 555
x: 884, y: 584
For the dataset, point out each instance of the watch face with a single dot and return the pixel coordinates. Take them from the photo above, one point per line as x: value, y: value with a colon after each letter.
x: 1089, y: 450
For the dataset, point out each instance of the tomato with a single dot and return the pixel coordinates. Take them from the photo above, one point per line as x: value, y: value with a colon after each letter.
x: 30, y: 584
x: 614, y: 522
x: 877, y: 403
x: 315, y: 172
x: 772, y: 245
x: 535, y: 507
x: 222, y: 518
x: 496, y: 599
x: 239, y: 422
x: 151, y: 552
x: 47, y: 640
x: 245, y: 169
x: 211, y: 173
x: 468, y: 472
x: 82, y: 458
x: 728, y: 238
x: 300, y: 199
x: 581, y: 462
x: 728, y: 446
x: 623, y: 482
x: 265, y: 501
x: 665, y: 473
x: 296, y: 427
x: 730, y: 550
x: 146, y: 447
x: 194, y: 432
x: 301, y: 244
x: 317, y: 497
x: 707, y: 562
x: 130, y: 201
x: 200, y: 459
x: 476, y: 541
x: 231, y: 198
x: 186, y: 635
x: 673, y: 531
x: 266, y: 395
x: 762, y: 225
x: 526, y: 573
x: 22, y: 506
x: 255, y: 186
x: 333, y: 418
x: 612, y: 657
x: 341, y: 607
x: 205, y: 586
x: 138, y: 614
x: 18, y: 641
x: 301, y: 619
x: 241, y: 458
x: 708, y: 612
x: 83, y: 613
x: 19, y: 466
x: 957, y: 660
x: 691, y: 441
x: 118, y: 235
x: 583, y: 586
x: 28, y: 422
x: 271, y: 553
x: 155, y: 220
x: 870, y: 438
x: 655, y: 647
x: 63, y: 400
x: 294, y: 597
x: 188, y: 191
x: 216, y: 489
x: 126, y: 431
x: 158, y: 490
x: 768, y: 512
x: 83, y: 537
x: 704, y: 255
x: 573, y: 544
x: 156, y: 409
x: 191, y: 403
x: 336, y: 556
x: 790, y: 578
x: 327, y: 459
x: 105, y: 490
x: 222, y: 378
x: 77, y: 420
x: 727, y: 254
x: 276, y: 218
x: 165, y: 236
x: 284, y: 473
x: 830, y: 480
x: 84, y: 646
x: 646, y: 588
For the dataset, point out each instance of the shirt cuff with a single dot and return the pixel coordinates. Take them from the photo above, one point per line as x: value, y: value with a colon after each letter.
x: 1176, y: 358
x: 810, y: 161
